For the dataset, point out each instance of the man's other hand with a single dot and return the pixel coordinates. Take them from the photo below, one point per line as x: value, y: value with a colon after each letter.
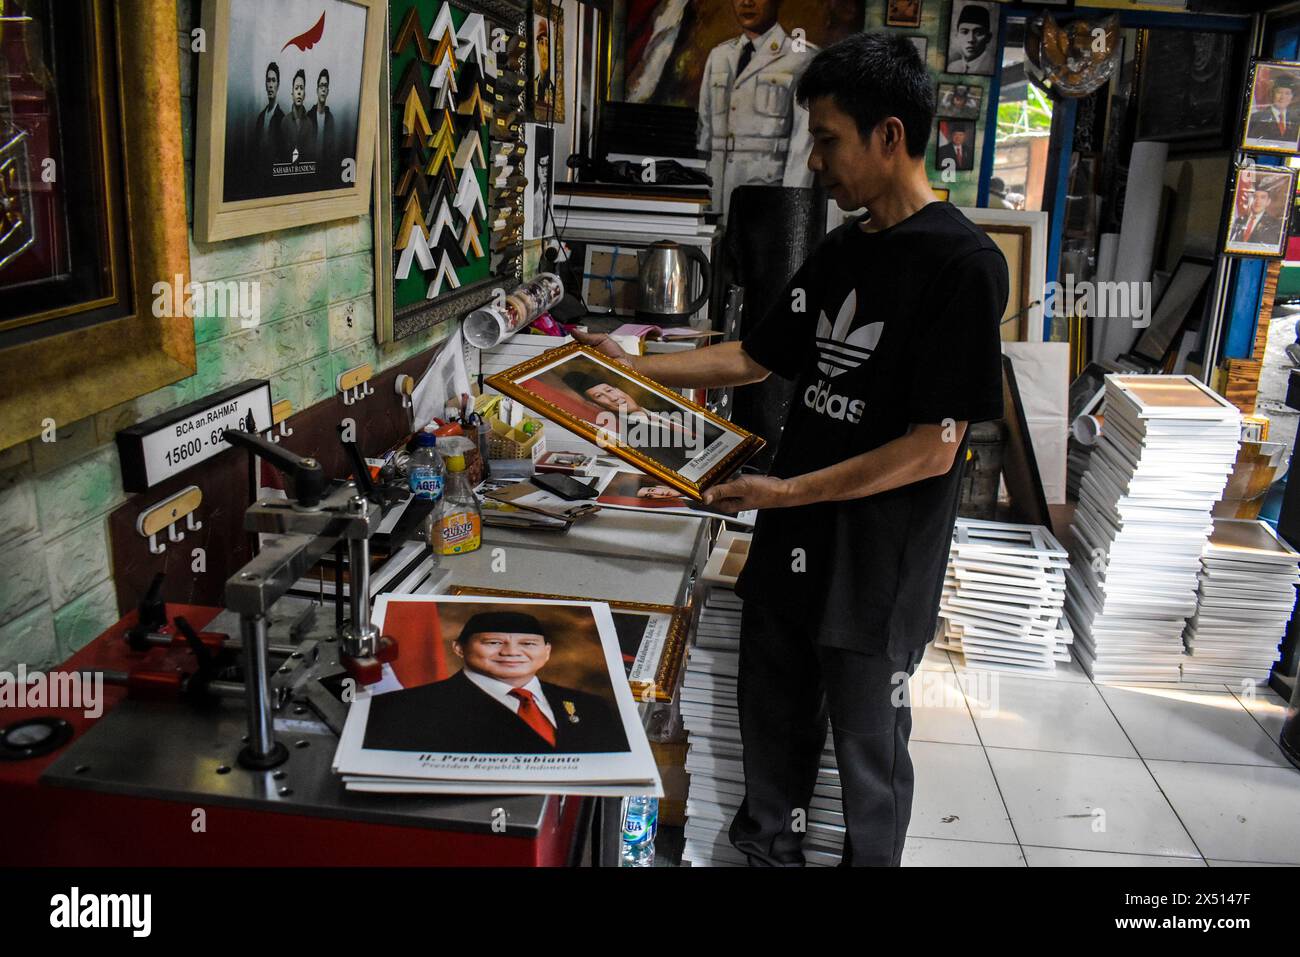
x: 604, y: 344
x: 746, y: 492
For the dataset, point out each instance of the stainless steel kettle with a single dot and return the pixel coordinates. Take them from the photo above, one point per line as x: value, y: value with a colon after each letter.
x: 664, y: 282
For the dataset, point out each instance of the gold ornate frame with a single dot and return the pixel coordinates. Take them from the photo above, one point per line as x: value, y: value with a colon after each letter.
x: 674, y: 644
x: 507, y: 383
x: 65, y: 378
x: 214, y: 218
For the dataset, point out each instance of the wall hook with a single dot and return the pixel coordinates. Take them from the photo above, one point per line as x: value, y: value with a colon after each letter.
x: 166, y: 515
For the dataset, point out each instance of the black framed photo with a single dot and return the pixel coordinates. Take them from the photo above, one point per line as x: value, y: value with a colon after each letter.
x: 1261, y: 206
x: 972, y: 38
x: 956, y: 145
x: 1184, y: 82
x: 1272, y: 122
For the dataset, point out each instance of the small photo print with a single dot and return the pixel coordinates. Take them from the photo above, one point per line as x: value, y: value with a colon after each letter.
x: 1261, y: 201
x: 1273, y: 114
x: 956, y: 145
x: 922, y: 47
x: 959, y: 100
x: 902, y: 13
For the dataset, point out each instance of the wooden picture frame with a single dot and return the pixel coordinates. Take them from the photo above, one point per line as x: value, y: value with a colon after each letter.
x: 673, y: 651
x: 221, y: 210
x: 1257, y: 117
x: 1022, y: 237
x: 551, y: 15
x: 592, y: 395
x: 1267, y: 237
x: 61, y: 379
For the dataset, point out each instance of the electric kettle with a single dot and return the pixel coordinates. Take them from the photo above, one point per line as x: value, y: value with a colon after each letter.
x: 664, y: 282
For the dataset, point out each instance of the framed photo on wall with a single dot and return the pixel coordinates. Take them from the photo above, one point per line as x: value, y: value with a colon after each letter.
x: 1261, y: 207
x: 1184, y: 83
x: 922, y: 45
x: 1272, y: 123
x: 956, y: 145
x: 960, y: 101
x: 972, y: 38
x: 285, y: 123
x: 634, y: 418
x: 902, y: 13
x: 546, y: 77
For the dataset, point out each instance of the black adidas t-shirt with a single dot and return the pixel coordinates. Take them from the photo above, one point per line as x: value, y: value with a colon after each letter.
x: 898, y: 326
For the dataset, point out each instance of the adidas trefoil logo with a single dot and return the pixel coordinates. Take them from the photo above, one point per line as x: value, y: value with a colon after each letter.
x: 839, y: 349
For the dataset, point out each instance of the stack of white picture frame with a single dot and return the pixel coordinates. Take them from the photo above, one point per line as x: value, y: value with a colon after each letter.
x: 1142, y: 521
x: 1003, y: 597
x: 1247, y: 594
x: 712, y: 721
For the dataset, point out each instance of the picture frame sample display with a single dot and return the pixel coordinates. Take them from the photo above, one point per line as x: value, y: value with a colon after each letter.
x: 450, y: 195
x: 651, y: 639
x: 1261, y: 207
x: 902, y: 13
x: 960, y: 101
x: 641, y: 422
x: 972, y: 38
x: 498, y: 695
x: 1272, y: 115
x: 285, y: 123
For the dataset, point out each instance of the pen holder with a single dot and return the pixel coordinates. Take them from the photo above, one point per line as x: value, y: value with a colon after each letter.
x: 507, y: 443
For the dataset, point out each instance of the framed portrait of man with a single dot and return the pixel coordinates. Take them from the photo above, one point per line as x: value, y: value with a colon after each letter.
x: 1272, y: 121
x: 972, y: 38
x: 647, y: 425
x: 902, y: 13
x: 955, y: 148
x: 1261, y: 207
x: 285, y: 121
x: 546, y: 78
x: 959, y: 101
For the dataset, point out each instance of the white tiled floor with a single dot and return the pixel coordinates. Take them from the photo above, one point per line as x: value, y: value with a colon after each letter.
x: 1058, y: 771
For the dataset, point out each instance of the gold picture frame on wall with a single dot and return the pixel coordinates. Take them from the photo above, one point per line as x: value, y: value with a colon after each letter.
x: 66, y: 376
x: 286, y: 119
x: 634, y: 418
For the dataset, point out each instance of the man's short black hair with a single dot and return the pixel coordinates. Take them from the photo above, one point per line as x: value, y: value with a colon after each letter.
x: 871, y: 76
x: 273, y: 67
x: 303, y: 74
x: 504, y: 622
x: 323, y: 75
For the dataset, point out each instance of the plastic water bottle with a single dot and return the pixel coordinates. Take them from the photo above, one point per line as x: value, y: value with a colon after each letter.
x: 640, y: 823
x: 425, y: 469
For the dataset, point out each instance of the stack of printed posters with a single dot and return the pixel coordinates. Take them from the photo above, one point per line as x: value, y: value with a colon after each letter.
x: 1004, y: 596
x: 494, y: 695
x: 1142, y: 521
x: 1247, y: 594
x: 709, y: 713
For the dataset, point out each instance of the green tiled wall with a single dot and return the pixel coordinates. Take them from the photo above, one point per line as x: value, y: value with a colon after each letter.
x: 317, y: 319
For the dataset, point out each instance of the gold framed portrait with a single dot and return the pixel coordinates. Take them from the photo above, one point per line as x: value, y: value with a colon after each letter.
x: 636, y: 419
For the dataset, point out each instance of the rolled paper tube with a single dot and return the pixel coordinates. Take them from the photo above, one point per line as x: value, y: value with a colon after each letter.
x: 1086, y: 429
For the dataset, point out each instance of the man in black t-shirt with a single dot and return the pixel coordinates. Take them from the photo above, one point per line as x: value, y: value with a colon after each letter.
x: 890, y: 332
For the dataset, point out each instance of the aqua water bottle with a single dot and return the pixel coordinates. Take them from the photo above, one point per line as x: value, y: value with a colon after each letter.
x: 640, y: 823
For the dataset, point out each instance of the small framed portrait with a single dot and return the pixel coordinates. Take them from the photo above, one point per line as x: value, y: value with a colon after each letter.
x: 647, y: 425
x: 972, y: 35
x: 902, y: 13
x: 956, y: 145
x: 960, y: 101
x: 1273, y: 113
x: 1261, y: 205
x: 285, y: 123
x: 922, y: 47
x: 546, y: 89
